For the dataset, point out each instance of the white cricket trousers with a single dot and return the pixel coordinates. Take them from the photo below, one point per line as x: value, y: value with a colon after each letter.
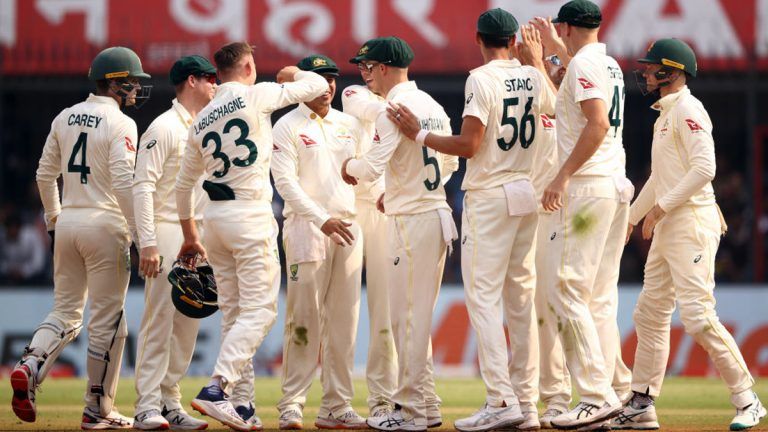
x: 554, y: 379
x: 323, y: 305
x: 497, y: 264
x: 90, y: 261
x: 381, y: 367
x: 167, y: 337
x: 241, y: 240
x: 681, y: 267
x: 417, y: 252
x: 584, y: 253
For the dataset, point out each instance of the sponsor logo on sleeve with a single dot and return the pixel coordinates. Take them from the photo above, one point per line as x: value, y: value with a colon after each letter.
x: 469, y: 98
x: 129, y: 145
x: 586, y: 84
x: 151, y: 144
x: 348, y: 93
x: 693, y: 126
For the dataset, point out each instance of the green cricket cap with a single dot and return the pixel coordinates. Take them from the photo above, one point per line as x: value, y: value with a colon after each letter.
x: 388, y: 50
x: 190, y: 65
x: 497, y: 22
x: 319, y: 63
x: 580, y: 13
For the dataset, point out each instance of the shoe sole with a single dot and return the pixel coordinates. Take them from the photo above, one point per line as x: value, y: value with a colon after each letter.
x: 103, y: 426
x: 742, y: 426
x: 607, y: 416
x: 201, y: 427
x: 341, y: 426
x: 506, y: 424
x: 164, y: 426
x: 435, y: 424
x: 645, y: 426
x: 292, y: 426
x: 22, y: 406
x: 200, y: 407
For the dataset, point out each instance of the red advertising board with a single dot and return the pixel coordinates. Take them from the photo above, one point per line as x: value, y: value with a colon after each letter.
x: 62, y: 36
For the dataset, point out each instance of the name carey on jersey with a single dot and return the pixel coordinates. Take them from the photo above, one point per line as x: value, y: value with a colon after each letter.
x: 86, y: 120
x: 219, y: 112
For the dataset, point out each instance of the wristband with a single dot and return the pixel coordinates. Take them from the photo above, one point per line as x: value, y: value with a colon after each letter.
x: 421, y: 136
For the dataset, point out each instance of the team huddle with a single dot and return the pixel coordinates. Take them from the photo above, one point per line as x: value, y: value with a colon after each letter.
x: 546, y: 214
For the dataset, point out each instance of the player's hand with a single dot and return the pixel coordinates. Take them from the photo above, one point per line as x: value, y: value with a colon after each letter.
x: 554, y: 194
x: 380, y: 203
x: 338, y: 231
x: 287, y: 74
x: 348, y: 179
x: 190, y: 249
x: 549, y: 38
x: 529, y: 50
x: 149, y: 262
x: 630, y: 228
x: 651, y: 219
x: 404, y: 119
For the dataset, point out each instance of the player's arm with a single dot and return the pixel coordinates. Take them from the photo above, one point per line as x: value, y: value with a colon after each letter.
x: 285, y: 170
x: 361, y: 103
x: 645, y: 200
x: 589, y: 141
x: 192, y: 168
x: 153, y: 151
x: 450, y: 163
x: 550, y: 40
x: 48, y: 171
x: 695, y: 130
x: 122, y: 157
x: 371, y: 166
x: 293, y: 86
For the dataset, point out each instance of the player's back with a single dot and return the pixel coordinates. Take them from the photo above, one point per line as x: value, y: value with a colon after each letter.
x: 592, y: 74
x: 414, y: 173
x: 234, y: 135
x: 95, y: 141
x: 508, y: 98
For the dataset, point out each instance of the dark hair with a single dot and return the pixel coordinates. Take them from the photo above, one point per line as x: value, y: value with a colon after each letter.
x: 494, y: 41
x: 228, y: 55
x: 102, y: 87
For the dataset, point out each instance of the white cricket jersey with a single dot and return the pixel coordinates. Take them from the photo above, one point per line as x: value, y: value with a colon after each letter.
x: 682, y: 157
x: 160, y: 151
x: 545, y: 161
x: 306, y: 163
x: 508, y: 98
x: 592, y: 74
x: 414, y: 173
x: 231, y: 139
x: 92, y: 145
x: 361, y: 103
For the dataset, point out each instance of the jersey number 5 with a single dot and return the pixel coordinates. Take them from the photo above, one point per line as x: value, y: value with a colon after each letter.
x: 80, y: 145
x: 242, y: 140
x: 431, y: 160
x: 527, y: 121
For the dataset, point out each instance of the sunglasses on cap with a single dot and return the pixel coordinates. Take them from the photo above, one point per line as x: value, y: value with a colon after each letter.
x: 211, y: 78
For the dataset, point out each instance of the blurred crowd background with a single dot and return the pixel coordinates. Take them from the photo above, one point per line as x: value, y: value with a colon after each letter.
x: 734, y: 92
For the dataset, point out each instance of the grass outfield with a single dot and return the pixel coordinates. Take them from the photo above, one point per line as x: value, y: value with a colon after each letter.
x: 687, y: 403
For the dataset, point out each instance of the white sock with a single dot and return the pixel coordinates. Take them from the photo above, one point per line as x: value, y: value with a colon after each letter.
x: 215, y: 381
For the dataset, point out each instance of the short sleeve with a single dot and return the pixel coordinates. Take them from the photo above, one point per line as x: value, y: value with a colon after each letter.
x: 477, y: 100
x: 584, y: 80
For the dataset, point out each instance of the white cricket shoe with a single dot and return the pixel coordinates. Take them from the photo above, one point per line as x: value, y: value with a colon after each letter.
x: 348, y: 420
x: 381, y: 410
x: 394, y: 421
x: 93, y: 420
x: 291, y: 419
x: 546, y: 418
x: 489, y: 418
x: 636, y: 418
x: 150, y: 420
x: 530, y: 421
x: 601, y: 426
x: 248, y: 414
x: 23, y: 385
x: 748, y: 416
x: 585, y: 414
x: 181, y: 420
x: 211, y: 401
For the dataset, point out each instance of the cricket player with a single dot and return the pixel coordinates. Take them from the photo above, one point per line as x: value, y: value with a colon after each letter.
x: 324, y: 254
x: 166, y: 337
x: 590, y: 196
x: 420, y: 226
x: 92, y: 146
x: 230, y: 143
x: 503, y: 102
x: 685, y: 223
x: 381, y: 366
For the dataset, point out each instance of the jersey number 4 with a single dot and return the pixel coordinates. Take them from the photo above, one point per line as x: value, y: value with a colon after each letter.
x: 614, y: 115
x: 518, y: 130
x: 242, y: 140
x: 81, y: 145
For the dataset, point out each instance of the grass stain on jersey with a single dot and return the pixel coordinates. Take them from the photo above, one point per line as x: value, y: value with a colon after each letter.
x: 583, y: 222
x: 300, y: 336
